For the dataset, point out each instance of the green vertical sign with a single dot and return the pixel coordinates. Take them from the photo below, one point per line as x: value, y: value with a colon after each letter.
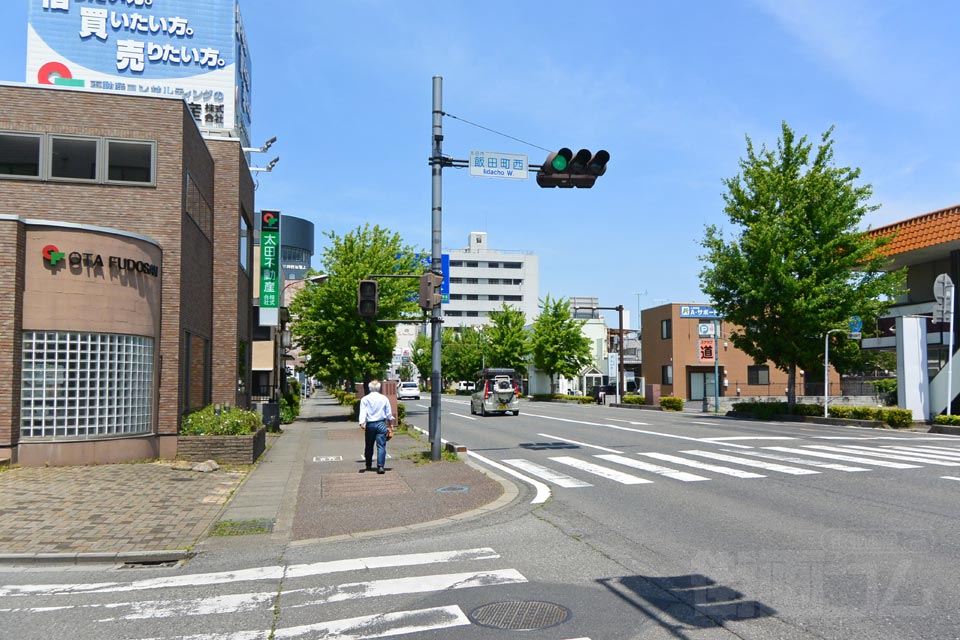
x: 269, y: 260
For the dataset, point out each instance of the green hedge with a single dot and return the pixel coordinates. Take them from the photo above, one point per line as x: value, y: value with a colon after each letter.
x: 229, y: 422
x: 671, y: 403
x: 633, y: 399
x: 950, y: 420
x: 768, y: 410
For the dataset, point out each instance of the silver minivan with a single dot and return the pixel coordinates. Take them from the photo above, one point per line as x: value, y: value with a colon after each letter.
x: 497, y: 392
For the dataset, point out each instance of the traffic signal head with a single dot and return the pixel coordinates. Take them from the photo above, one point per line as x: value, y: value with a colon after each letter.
x: 368, y: 298
x: 566, y: 169
x: 430, y: 296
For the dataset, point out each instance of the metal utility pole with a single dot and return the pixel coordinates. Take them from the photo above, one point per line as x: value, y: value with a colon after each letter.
x: 826, y: 369
x: 436, y: 266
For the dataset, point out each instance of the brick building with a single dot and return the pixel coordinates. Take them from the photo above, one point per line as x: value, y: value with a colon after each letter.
x: 126, y: 257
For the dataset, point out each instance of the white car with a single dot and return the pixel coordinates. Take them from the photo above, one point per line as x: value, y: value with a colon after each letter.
x: 408, y: 391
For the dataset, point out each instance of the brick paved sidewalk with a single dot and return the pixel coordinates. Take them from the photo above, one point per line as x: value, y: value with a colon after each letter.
x: 108, y: 509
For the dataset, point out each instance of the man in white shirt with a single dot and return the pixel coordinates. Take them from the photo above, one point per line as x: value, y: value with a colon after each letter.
x: 375, y: 419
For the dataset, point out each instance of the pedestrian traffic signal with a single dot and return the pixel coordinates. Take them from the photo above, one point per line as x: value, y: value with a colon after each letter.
x: 430, y: 296
x: 368, y: 298
x: 566, y: 169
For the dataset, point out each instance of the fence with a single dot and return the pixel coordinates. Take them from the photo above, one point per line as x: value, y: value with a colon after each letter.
x: 846, y: 387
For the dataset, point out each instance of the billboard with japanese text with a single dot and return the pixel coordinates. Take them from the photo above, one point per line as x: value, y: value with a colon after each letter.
x: 193, y: 50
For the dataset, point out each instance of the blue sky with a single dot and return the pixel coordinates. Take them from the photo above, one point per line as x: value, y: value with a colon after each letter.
x: 669, y: 89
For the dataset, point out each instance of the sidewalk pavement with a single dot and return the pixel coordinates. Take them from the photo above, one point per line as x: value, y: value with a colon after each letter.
x: 308, y: 485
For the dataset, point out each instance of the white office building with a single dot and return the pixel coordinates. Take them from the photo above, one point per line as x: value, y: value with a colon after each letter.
x: 483, y: 279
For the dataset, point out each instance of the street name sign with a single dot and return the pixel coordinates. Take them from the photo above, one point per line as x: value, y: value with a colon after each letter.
x: 490, y: 164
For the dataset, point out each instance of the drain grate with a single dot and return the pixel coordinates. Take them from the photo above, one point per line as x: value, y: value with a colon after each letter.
x: 520, y: 615
x: 453, y: 489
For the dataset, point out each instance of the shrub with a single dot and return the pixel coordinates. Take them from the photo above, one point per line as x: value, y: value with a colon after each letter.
x: 401, y: 412
x: 671, y: 403
x: 229, y: 422
x: 542, y: 397
x: 288, y: 412
x: 887, y: 390
x: 944, y: 419
x: 633, y: 399
x: 904, y: 417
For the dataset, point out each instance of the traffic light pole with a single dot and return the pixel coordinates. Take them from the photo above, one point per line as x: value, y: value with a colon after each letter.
x: 436, y: 318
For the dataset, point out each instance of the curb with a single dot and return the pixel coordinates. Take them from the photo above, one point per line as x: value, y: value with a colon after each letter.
x: 122, y: 557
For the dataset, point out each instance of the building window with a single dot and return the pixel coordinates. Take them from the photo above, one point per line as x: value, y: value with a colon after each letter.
x: 198, y: 208
x: 666, y: 329
x: 472, y: 314
x: 666, y: 374
x: 493, y: 297
x: 758, y: 374
x: 86, y: 385
x: 517, y: 282
x: 513, y: 298
x: 493, y: 280
x: 245, y: 243
x: 456, y: 263
x: 456, y: 296
x: 472, y: 296
x: 471, y: 264
x: 131, y: 162
x: 20, y: 155
x: 493, y: 265
x: 453, y: 313
x: 472, y: 280
x: 456, y: 280
x: 512, y: 265
x: 73, y: 158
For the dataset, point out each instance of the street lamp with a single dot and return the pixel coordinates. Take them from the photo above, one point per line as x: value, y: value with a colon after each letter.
x: 826, y: 368
x: 319, y: 279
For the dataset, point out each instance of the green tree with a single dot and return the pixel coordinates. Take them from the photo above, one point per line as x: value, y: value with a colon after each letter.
x: 505, y: 342
x: 422, y: 356
x: 559, y: 346
x: 405, y: 372
x: 461, y: 353
x: 797, y: 265
x: 341, y: 344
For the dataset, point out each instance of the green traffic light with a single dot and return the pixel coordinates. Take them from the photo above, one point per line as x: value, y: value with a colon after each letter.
x: 559, y: 163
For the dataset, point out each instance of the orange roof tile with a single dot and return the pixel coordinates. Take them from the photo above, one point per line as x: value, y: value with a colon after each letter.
x: 920, y: 232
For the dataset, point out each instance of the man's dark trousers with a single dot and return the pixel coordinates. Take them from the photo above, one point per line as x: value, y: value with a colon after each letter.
x: 376, y: 432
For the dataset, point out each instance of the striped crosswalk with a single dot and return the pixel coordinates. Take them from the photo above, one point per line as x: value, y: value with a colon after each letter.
x: 294, y: 601
x: 646, y: 467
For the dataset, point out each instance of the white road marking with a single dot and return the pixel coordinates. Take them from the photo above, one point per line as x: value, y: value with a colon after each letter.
x: 544, y: 473
x: 845, y: 458
x: 949, y: 478
x: 460, y: 415
x: 380, y: 625
x: 642, y: 424
x: 796, y: 460
x: 769, y: 466
x: 603, y: 472
x: 255, y: 574
x: 938, y: 449
x: 667, y: 472
x: 727, y: 471
x: 582, y: 444
x: 874, y: 453
x: 613, y: 426
x: 749, y: 438
x: 543, y: 491
x: 900, y: 438
x: 922, y: 453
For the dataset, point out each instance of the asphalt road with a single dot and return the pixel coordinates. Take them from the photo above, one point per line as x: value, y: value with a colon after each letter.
x: 643, y: 542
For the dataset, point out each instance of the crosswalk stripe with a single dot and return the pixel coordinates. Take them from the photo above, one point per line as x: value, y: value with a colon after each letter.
x: 845, y: 458
x: 769, y: 466
x: 603, y: 472
x: 923, y: 453
x: 727, y: 471
x: 667, y: 472
x: 874, y: 453
x: 258, y: 573
x: 946, y: 450
x: 550, y: 475
x: 796, y: 460
x: 380, y: 625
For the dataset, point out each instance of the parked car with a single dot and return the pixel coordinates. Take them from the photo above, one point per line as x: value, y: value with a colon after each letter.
x: 497, y: 391
x: 465, y: 386
x: 408, y: 391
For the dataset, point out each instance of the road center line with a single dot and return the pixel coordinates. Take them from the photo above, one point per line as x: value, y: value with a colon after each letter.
x: 460, y: 415
x: 582, y: 444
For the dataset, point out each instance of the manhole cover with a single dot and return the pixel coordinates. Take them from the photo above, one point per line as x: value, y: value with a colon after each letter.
x: 452, y: 489
x: 520, y: 615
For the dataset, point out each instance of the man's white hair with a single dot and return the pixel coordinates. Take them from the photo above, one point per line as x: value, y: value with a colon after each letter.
x: 374, y: 386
